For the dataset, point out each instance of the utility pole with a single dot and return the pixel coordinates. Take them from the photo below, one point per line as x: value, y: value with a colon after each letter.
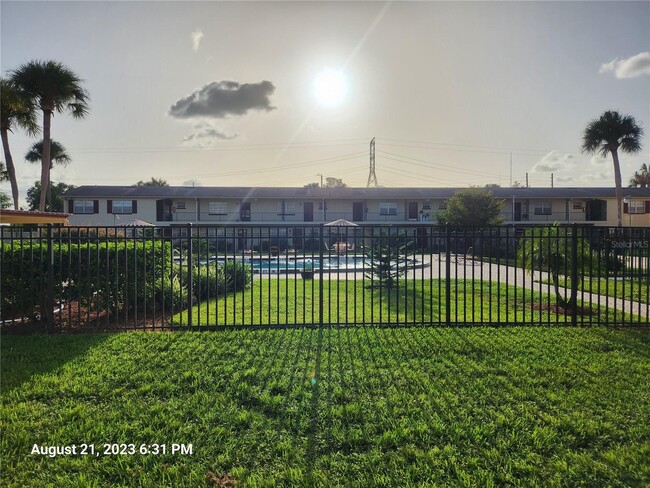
x: 510, y: 170
x: 526, y: 180
x: 372, y: 176
x: 551, y: 180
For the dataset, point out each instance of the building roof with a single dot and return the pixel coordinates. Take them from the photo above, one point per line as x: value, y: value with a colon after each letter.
x: 249, y: 193
x: 26, y: 217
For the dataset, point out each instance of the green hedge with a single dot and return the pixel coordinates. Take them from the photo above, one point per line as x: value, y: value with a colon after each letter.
x: 113, y: 275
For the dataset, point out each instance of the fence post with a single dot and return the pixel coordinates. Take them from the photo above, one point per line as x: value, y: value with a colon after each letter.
x: 49, y: 306
x: 574, y: 275
x: 320, y: 275
x: 190, y: 286
x: 447, y: 275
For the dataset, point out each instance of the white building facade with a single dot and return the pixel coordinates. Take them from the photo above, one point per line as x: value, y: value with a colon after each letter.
x: 167, y: 205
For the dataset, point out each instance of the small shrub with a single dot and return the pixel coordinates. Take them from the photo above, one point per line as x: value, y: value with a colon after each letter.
x: 214, y: 279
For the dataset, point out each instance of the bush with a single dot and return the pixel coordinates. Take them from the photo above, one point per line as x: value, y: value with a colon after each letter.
x: 118, y: 275
x: 214, y: 279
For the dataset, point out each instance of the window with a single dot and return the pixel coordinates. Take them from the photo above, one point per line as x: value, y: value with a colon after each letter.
x: 218, y: 208
x: 84, y: 207
x: 286, y: 208
x: 577, y: 205
x: 543, y: 208
x: 637, y: 207
x: 120, y: 207
x: 180, y: 205
x: 387, y: 209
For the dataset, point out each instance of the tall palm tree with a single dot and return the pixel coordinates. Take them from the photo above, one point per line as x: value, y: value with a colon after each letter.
x: 16, y: 109
x: 641, y: 178
x: 58, y: 155
x: 606, y: 135
x: 55, y: 88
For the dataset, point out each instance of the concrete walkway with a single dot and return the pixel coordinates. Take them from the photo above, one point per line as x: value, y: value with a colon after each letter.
x: 470, y: 269
x: 462, y: 268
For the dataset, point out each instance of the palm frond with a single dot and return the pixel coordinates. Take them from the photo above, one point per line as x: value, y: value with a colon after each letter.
x: 16, y: 108
x: 54, y: 86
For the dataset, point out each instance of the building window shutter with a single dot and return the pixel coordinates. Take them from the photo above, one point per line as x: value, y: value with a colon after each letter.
x: 626, y: 207
x: 134, y: 206
x: 109, y: 206
x: 647, y: 206
x: 70, y: 206
x: 96, y: 206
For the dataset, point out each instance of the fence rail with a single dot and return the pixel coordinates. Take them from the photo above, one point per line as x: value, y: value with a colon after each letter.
x: 194, y: 277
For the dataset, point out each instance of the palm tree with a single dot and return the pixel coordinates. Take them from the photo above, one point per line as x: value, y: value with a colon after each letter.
x: 641, y: 178
x: 606, y: 135
x: 16, y: 110
x: 55, y: 88
x: 58, y: 155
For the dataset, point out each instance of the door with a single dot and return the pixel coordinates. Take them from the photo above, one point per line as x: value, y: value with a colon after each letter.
x: 413, y: 211
x: 245, y: 212
x: 308, y: 211
x: 357, y: 211
x: 517, y: 211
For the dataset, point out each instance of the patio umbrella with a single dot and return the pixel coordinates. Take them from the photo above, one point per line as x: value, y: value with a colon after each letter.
x: 138, y: 223
x: 341, y: 223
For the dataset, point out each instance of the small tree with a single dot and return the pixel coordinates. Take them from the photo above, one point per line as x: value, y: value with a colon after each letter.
x: 153, y: 182
x: 550, y: 250
x: 57, y: 203
x: 472, y: 207
x: 388, y: 259
x: 641, y: 178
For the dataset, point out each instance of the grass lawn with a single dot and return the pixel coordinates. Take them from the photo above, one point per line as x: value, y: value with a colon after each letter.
x: 632, y: 288
x: 409, y: 406
x: 291, y: 301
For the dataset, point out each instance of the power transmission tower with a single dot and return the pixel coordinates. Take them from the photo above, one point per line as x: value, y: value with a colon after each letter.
x: 372, y: 177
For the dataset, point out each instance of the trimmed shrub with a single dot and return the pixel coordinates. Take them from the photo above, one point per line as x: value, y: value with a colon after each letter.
x: 118, y: 275
x: 213, y: 280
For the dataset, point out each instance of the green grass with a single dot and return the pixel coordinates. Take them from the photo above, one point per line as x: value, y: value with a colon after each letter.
x: 632, y: 288
x: 333, y: 407
x: 289, y: 301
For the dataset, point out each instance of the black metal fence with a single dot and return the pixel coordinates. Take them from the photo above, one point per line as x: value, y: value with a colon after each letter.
x: 207, y: 277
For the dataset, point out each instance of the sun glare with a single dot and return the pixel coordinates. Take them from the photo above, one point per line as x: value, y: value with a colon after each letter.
x: 330, y: 88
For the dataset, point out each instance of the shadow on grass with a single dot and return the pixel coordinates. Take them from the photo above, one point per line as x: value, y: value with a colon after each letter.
x: 23, y: 357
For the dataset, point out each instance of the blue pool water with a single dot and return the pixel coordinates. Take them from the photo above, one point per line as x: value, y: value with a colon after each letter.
x: 269, y: 265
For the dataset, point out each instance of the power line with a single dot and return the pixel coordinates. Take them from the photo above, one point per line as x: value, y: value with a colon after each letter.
x: 431, y: 165
x: 460, y: 147
x: 223, y: 148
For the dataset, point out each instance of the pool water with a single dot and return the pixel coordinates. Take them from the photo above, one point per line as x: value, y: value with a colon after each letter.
x: 284, y: 265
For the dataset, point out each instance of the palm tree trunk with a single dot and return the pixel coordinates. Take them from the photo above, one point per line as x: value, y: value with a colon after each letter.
x: 45, y: 160
x: 558, y: 296
x: 619, y: 188
x: 11, y: 169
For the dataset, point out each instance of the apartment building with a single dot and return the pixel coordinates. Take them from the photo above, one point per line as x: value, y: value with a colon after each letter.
x: 173, y: 205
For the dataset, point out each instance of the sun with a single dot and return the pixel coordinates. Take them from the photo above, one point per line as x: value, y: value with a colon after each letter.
x: 330, y: 88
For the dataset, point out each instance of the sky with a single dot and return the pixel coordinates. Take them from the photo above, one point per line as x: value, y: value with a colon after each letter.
x: 280, y: 93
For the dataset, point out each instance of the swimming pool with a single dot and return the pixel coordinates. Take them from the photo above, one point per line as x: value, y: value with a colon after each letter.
x: 331, y: 263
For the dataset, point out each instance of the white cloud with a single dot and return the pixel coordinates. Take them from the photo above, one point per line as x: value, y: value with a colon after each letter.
x: 597, y: 176
x: 197, y: 35
x: 564, y: 179
x: 206, y: 134
x: 553, y: 161
x: 598, y: 161
x: 631, y: 67
x: 192, y: 183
